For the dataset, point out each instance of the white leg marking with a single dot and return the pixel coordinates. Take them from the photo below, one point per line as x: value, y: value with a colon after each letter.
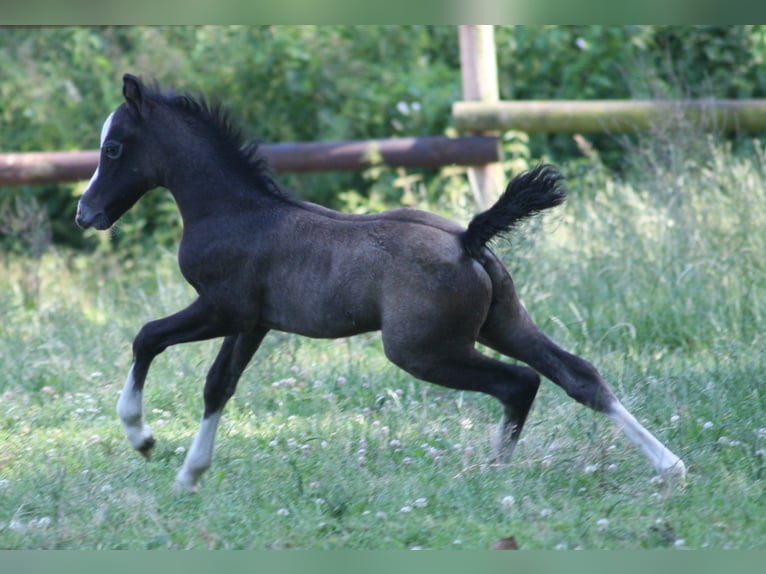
x: 667, y: 464
x: 502, y: 443
x: 130, y: 409
x: 200, y: 455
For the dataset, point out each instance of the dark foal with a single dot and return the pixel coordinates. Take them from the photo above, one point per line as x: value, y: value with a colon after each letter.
x: 261, y: 260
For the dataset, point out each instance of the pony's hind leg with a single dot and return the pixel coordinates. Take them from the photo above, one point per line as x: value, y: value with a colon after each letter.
x: 510, y: 331
x: 462, y: 367
x: 516, y: 407
x: 235, y: 354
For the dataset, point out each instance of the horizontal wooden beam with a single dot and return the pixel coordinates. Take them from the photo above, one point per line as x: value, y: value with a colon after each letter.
x: 612, y: 116
x: 427, y: 152
x: 46, y: 167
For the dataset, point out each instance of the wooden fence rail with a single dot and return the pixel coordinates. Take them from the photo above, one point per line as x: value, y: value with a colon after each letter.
x: 426, y: 152
x: 613, y: 116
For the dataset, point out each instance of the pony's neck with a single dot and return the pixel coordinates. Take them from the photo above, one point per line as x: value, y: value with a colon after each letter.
x: 207, y: 184
x: 207, y: 174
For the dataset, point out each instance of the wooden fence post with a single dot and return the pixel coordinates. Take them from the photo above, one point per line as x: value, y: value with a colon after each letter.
x: 478, y: 65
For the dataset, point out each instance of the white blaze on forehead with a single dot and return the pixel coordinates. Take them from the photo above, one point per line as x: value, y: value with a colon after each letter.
x: 104, y: 132
x: 105, y: 127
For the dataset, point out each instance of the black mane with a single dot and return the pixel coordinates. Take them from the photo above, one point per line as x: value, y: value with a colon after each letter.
x: 229, y: 135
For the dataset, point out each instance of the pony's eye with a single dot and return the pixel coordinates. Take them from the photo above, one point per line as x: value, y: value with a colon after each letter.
x: 112, y: 149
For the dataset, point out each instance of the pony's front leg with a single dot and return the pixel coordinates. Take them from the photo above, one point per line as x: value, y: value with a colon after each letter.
x: 191, y: 324
x: 130, y: 409
x: 222, y: 379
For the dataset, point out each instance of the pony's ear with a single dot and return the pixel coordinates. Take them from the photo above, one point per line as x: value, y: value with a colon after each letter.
x: 133, y: 90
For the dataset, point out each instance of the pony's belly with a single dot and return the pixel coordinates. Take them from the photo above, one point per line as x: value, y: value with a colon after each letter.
x: 321, y: 321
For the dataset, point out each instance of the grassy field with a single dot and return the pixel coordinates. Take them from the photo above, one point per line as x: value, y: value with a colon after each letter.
x: 657, y: 279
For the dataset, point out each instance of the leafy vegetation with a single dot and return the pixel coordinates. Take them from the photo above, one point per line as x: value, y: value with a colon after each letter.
x: 305, y: 83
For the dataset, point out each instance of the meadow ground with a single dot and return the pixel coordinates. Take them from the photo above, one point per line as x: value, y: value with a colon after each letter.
x: 658, y: 279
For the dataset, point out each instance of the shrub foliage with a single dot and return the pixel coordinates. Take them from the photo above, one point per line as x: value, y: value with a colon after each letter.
x: 309, y: 83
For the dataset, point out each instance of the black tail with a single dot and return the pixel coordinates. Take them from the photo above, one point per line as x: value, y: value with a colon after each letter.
x: 527, y: 194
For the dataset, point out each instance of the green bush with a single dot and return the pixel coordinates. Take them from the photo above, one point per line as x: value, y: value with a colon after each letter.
x: 308, y: 83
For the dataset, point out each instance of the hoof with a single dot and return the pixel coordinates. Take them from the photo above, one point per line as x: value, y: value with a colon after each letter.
x: 675, y: 473
x: 147, y: 447
x: 183, y: 487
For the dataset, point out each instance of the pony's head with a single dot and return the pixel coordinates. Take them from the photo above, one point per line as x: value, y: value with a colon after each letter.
x: 127, y: 165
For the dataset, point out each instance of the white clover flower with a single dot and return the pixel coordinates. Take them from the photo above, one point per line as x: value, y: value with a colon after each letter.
x: 16, y: 525
x: 708, y: 425
x: 41, y: 523
x: 508, y: 502
x: 602, y: 524
x: 405, y: 509
x: 283, y: 512
x: 421, y: 502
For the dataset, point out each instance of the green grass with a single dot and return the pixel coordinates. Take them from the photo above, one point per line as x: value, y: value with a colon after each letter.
x: 658, y: 279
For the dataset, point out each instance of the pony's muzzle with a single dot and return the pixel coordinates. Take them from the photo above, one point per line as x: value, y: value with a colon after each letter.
x: 87, y: 217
